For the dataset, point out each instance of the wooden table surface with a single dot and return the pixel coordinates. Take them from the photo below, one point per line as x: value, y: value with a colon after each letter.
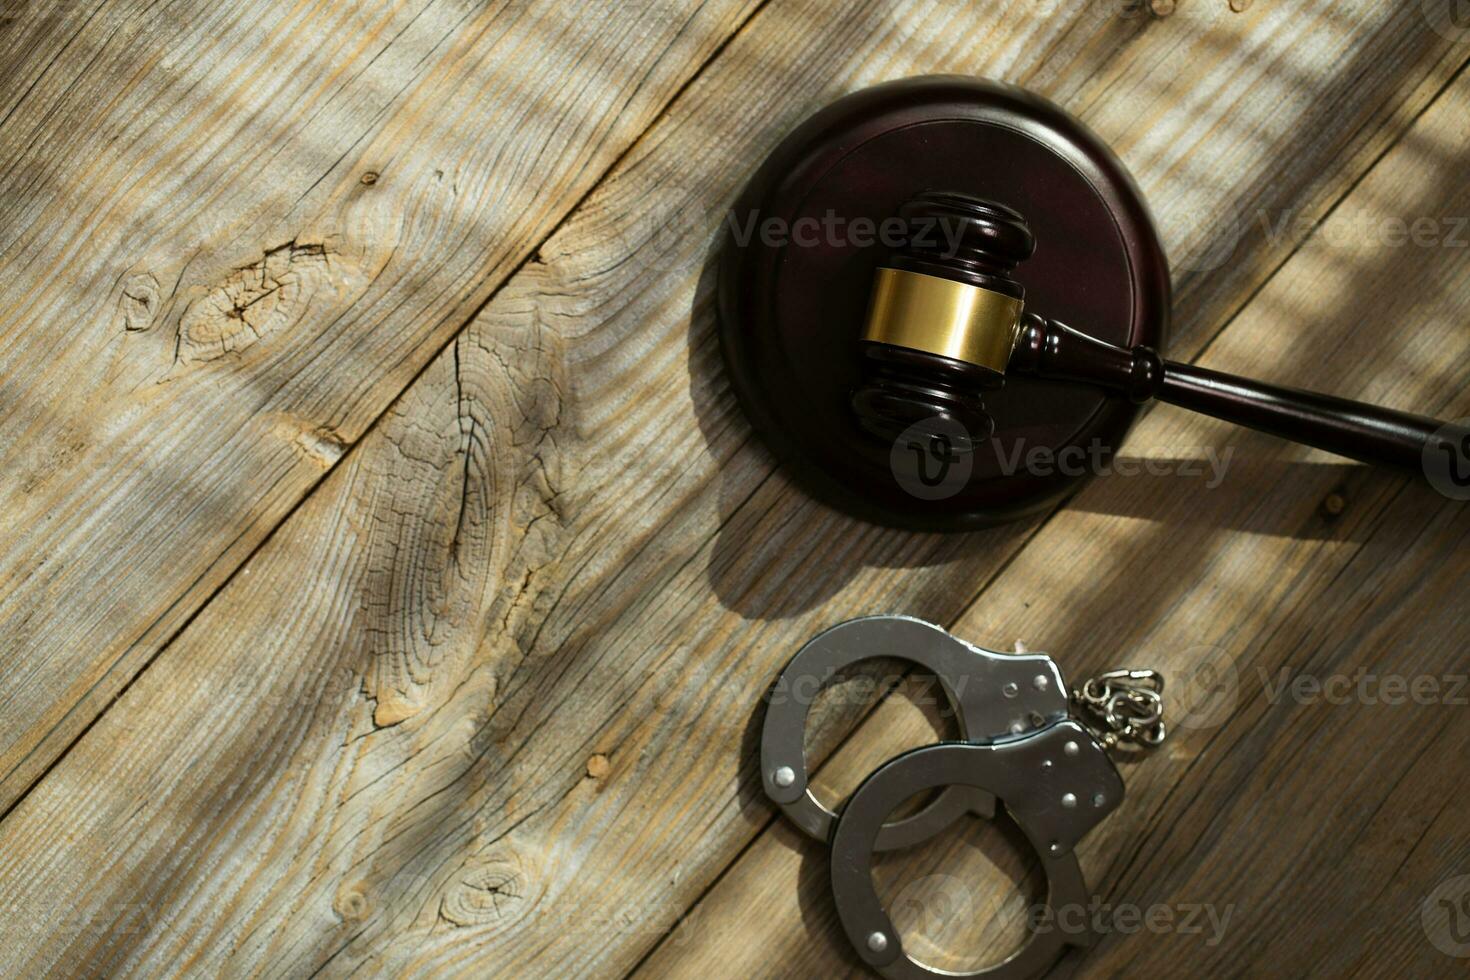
x: 391, y: 583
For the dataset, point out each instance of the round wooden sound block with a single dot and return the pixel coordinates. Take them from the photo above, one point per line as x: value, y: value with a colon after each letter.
x: 818, y: 218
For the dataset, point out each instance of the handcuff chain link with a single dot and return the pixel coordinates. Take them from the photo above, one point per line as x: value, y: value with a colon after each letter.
x: 1123, y: 706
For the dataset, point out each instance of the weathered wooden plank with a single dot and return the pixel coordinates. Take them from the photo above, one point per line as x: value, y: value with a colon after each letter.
x: 510, y: 724
x: 230, y: 235
x: 1313, y: 827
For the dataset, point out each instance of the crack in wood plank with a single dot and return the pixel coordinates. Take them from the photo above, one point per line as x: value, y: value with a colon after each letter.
x: 122, y: 166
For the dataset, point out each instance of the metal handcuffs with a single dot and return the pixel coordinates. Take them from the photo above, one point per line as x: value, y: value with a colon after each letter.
x: 1019, y: 744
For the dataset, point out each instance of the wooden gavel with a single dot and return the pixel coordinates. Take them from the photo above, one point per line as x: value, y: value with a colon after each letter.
x: 907, y: 382
x: 947, y: 323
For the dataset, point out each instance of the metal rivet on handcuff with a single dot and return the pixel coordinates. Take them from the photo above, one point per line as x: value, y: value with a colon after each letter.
x: 1052, y: 773
x: 991, y: 695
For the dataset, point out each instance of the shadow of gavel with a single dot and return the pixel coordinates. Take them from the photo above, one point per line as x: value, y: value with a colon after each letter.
x: 947, y: 323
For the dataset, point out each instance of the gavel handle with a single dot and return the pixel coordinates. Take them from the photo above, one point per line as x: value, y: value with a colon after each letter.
x: 1370, y: 434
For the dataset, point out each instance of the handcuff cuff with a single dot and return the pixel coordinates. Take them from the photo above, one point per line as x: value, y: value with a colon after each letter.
x: 1025, y: 741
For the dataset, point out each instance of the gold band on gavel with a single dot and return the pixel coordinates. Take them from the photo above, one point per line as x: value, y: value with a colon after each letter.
x: 941, y: 316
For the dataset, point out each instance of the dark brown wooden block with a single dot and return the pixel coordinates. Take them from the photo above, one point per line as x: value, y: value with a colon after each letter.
x: 796, y: 274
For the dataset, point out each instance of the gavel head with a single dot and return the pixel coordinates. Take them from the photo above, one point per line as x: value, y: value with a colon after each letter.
x: 944, y: 317
x: 881, y: 434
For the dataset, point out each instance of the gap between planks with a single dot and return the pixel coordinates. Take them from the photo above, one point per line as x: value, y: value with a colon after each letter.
x: 344, y: 448
x: 861, y: 730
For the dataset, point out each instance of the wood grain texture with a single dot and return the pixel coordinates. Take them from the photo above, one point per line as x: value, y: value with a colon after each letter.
x: 1303, y: 832
x: 230, y: 235
x: 486, y: 702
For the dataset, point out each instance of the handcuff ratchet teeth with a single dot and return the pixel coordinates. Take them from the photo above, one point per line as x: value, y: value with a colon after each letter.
x: 1057, y: 784
x: 1021, y: 746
